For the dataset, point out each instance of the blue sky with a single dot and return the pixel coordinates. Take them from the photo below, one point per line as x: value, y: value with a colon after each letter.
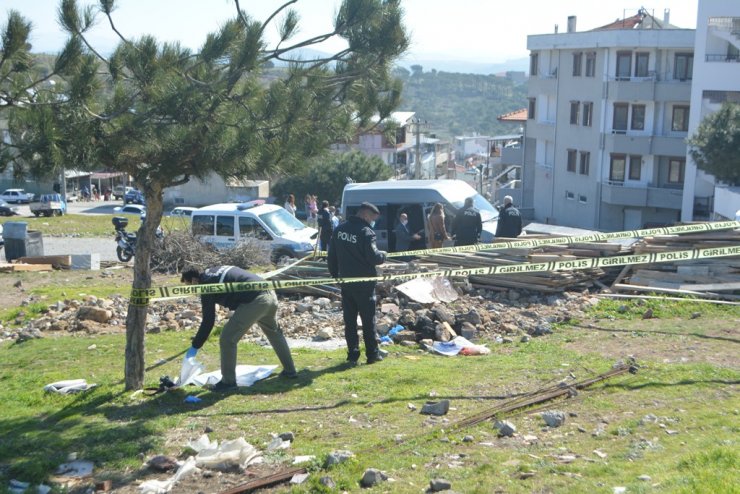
x: 480, y: 30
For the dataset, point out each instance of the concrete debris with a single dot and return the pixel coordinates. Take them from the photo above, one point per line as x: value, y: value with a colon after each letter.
x: 372, y: 476
x: 436, y: 485
x: 337, y: 457
x: 505, y: 428
x: 554, y: 418
x: 438, y: 408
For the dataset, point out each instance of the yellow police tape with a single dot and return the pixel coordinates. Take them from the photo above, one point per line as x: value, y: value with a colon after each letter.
x: 144, y: 296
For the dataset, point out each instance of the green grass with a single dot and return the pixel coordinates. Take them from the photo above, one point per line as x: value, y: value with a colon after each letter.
x: 92, y: 225
x: 365, y: 410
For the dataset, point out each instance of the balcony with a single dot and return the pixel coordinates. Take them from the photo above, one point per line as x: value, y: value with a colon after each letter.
x: 619, y: 194
x: 627, y: 143
x: 512, y: 156
x: 668, y: 146
x: 674, y: 90
x: 541, y: 130
x: 631, y: 89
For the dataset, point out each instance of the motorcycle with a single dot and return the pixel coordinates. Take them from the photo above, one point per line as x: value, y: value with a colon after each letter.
x: 126, y: 241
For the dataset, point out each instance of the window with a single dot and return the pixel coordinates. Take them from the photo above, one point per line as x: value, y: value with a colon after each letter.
x: 675, y: 170
x: 571, y: 160
x: 683, y: 66
x: 641, y: 64
x: 616, y: 167
x: 590, y: 64
x: 588, y: 113
x: 635, y: 167
x: 620, y: 117
x: 585, y: 163
x: 680, y: 122
x: 577, y: 62
x: 582, y: 199
x: 225, y: 226
x: 574, y: 111
x: 570, y: 195
x: 624, y: 62
x: 250, y: 227
x: 638, y: 117
x: 203, y: 225
x: 534, y: 64
x: 532, y: 105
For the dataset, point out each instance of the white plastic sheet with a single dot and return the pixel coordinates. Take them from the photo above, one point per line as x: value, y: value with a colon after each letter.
x: 191, y: 372
x: 68, y: 386
x: 165, y: 486
x: 456, y: 345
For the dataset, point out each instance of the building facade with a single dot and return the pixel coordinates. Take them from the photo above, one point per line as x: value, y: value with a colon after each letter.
x: 607, y: 121
x: 716, y: 80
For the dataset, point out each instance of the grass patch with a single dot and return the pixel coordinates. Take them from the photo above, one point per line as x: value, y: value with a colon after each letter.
x: 90, y: 225
x: 365, y: 410
x: 627, y: 309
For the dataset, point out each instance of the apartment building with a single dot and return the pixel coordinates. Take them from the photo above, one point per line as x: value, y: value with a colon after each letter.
x: 716, y: 80
x: 607, y: 121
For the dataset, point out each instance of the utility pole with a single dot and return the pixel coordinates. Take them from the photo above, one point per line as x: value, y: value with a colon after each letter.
x: 418, y: 123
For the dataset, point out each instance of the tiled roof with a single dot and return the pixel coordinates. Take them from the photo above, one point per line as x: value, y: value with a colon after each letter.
x: 514, y: 116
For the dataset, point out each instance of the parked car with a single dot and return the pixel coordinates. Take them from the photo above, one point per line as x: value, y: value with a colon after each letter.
x: 225, y: 225
x: 121, y: 190
x: 49, y: 205
x: 134, y: 196
x: 6, y: 209
x: 131, y: 209
x: 182, y: 211
x: 17, y: 196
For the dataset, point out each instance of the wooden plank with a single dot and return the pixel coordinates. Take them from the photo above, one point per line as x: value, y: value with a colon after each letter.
x: 12, y: 268
x: 63, y: 261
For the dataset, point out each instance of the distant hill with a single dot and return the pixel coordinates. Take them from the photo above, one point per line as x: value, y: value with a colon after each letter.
x: 456, y: 104
x: 466, y: 66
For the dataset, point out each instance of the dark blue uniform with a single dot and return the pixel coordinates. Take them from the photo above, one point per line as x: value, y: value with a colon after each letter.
x: 509, y: 222
x: 327, y: 227
x: 467, y: 226
x: 353, y: 254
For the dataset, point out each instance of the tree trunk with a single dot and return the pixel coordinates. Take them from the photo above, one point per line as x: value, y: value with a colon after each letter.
x: 136, y: 317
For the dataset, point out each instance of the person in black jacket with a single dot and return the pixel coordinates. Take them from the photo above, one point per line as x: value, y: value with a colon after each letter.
x: 509, y: 220
x: 353, y: 254
x: 249, y: 307
x: 467, y: 226
x: 325, y: 224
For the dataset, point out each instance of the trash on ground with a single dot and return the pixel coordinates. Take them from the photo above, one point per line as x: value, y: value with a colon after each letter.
x: 68, y: 386
x: 459, y: 345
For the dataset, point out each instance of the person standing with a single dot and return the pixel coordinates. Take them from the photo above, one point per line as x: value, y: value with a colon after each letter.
x: 290, y: 204
x: 249, y: 307
x: 326, y: 226
x: 403, y: 234
x: 509, y: 220
x: 467, y: 227
x: 334, y: 217
x: 437, y: 229
x: 353, y: 254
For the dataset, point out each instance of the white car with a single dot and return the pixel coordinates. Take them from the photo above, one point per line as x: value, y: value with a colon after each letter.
x: 182, y: 211
x: 131, y: 209
x: 16, y: 196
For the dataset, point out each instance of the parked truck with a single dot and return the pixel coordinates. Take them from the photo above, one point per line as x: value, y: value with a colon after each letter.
x: 49, y: 205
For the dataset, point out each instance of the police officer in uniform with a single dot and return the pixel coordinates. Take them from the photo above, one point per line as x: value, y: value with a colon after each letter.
x: 467, y: 226
x: 353, y: 254
x: 509, y: 220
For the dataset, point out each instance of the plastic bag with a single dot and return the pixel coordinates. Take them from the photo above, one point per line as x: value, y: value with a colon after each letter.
x: 475, y: 350
x: 190, y: 369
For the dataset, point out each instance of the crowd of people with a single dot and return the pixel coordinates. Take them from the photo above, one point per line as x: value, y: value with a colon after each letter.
x: 352, y: 252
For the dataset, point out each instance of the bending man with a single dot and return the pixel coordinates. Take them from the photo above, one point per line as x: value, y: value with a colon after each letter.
x: 249, y: 307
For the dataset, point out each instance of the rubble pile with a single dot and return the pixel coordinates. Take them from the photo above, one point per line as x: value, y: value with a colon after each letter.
x: 477, y: 313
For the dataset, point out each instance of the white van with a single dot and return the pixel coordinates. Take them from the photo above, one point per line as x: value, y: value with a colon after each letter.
x: 416, y: 198
x: 224, y: 225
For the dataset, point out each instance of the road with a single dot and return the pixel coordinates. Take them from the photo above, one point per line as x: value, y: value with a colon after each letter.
x: 105, y: 246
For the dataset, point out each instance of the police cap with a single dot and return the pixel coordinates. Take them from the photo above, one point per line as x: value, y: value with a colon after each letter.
x: 370, y: 207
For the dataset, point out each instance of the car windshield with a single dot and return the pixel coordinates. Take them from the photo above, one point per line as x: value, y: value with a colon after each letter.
x: 487, y: 211
x: 281, y: 222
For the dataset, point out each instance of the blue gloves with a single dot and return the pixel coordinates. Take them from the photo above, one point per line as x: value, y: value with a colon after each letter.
x: 192, y: 352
